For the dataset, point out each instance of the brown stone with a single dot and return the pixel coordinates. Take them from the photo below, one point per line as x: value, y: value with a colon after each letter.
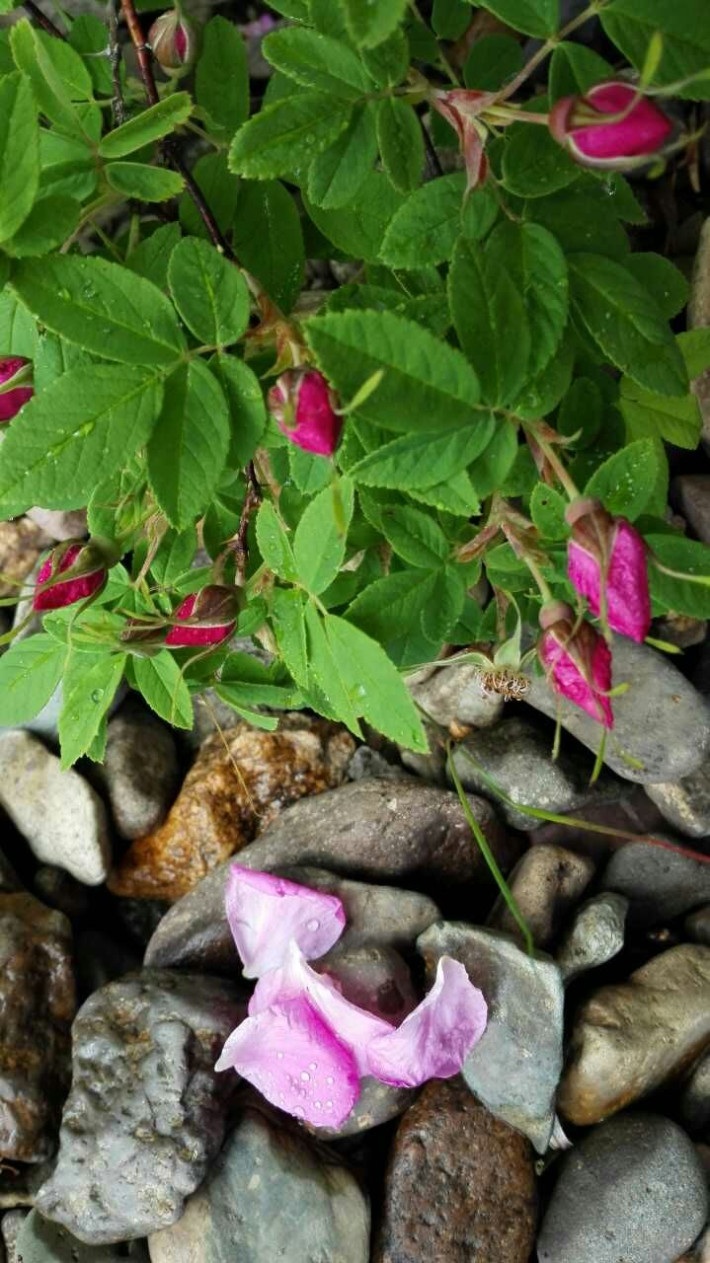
x: 37, y: 1006
x: 241, y: 781
x: 630, y: 1039
x: 21, y: 542
x: 546, y: 884
x: 460, y: 1185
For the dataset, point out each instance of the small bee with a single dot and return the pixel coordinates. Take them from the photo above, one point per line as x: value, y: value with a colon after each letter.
x: 503, y: 681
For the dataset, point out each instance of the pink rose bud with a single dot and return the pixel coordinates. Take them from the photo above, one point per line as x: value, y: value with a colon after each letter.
x: 634, y: 126
x: 607, y: 556
x: 576, y: 660
x: 303, y: 407
x: 84, y: 569
x: 173, y: 40
x: 461, y: 107
x: 206, y: 617
x: 14, y: 368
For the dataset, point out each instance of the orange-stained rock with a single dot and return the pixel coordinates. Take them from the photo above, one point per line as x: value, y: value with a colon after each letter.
x: 21, y: 543
x: 240, y: 782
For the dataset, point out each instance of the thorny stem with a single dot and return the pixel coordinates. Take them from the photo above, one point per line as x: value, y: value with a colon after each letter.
x: 42, y: 20
x: 548, y: 47
x: 251, y: 501
x: 118, y: 109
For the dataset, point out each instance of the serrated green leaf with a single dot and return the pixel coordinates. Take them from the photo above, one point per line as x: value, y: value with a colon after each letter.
x: 574, y: 69
x: 427, y: 225
x: 174, y: 556
x: 582, y: 412
x: 547, y: 510
x: 151, y: 258
x: 415, y: 537
x: 163, y: 686
x: 401, y: 144
x: 60, y: 81
x: 188, y: 447
x: 663, y: 279
x: 269, y: 241
x: 321, y: 536
x: 19, y: 153
x: 430, y: 311
x: 489, y: 470
x: 337, y: 175
x: 535, y: 165
x: 359, y: 228
x: 148, y: 184
x: 49, y: 224
x: 582, y: 218
x: 492, y: 61
x: 625, y: 482
x: 677, y: 421
x: 389, y: 61
x: 445, y: 608
x: 220, y: 189
x: 310, y: 473
x: 424, y: 459
x: 490, y: 320
x: 378, y: 691
x: 538, y: 269
x: 369, y: 24
x: 209, y: 292
x: 683, y: 27
x: 89, y: 687
x: 247, y: 411
x: 390, y: 611
x: 288, y: 617
x: 533, y: 17
x: 336, y: 685
x: 30, y: 671
x: 87, y: 36
x: 688, y: 557
x: 456, y: 495
x: 158, y: 120
x: 222, y: 76
x: 274, y: 544
x: 317, y: 61
x: 288, y: 135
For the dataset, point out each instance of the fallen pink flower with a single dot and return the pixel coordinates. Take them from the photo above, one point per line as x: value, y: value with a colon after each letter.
x: 303, y: 407
x: 206, y: 617
x: 636, y: 129
x: 577, y: 661
x: 607, y: 556
x: 12, y: 400
x: 267, y: 913
x: 85, y: 570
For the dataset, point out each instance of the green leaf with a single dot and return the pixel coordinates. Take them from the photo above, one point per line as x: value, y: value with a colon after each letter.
x: 415, y: 537
x: 456, y: 495
x: 89, y: 687
x: 358, y: 228
x: 274, y: 544
x: 683, y: 596
x: 268, y: 239
x: 310, y: 473
x: 337, y: 687
x: 582, y: 218
x: 426, y: 227
x: 247, y: 411
x: 369, y: 24
x: 490, y: 320
x: 538, y: 269
x: 102, y: 307
x: 287, y: 135
x: 450, y: 18
x: 426, y: 458
x: 151, y: 258
x: 574, y: 69
x: 87, y: 36
x: 288, y: 617
x: 321, y: 536
x: 547, y: 510
x: 161, y: 682
x: 158, y: 120
x: 663, y: 279
x: 220, y: 190
x: 174, y: 556
x: 683, y: 27
x: 425, y: 381
x: 74, y: 434
x: 317, y: 61
x: 535, y: 165
x: 209, y: 292
x: 298, y: 10
x: 624, y: 320
x: 51, y: 222
x: 59, y: 80
x: 30, y: 671
x: 388, y: 63
x: 677, y: 421
x: 445, y: 608
x: 188, y: 448
x: 431, y: 311
x: 533, y: 17
x: 399, y: 136
x: 625, y: 482
x: 19, y: 153
x: 582, y: 412
x: 492, y: 61
x: 337, y: 175
x: 222, y: 77
x: 390, y: 610
x: 147, y: 184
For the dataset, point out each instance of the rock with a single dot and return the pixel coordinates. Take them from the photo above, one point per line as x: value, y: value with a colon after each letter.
x: 9, y: 881
x: 40, y: 1241
x: 662, y: 722
x: 229, y: 796
x: 546, y: 883
x: 681, y: 630
x: 685, y: 804
x: 194, y: 934
x: 700, y: 1252
x: 697, y: 925
x: 460, y: 1185
x: 100, y: 959
x: 146, y: 1112
x: 367, y: 763
x: 56, y: 887
x: 595, y: 936
x: 432, y: 765
x: 694, y: 1099
x: 515, y: 1067
x: 21, y: 543
x: 139, y: 918
x: 632, y: 1191
x: 10, y: 1226
x: 58, y: 812
x: 270, y: 1196
x: 140, y: 771
x: 454, y: 695
x: 631, y: 1038
x: 659, y: 884
x: 37, y: 1005
x: 20, y: 1183
x: 699, y: 318
x: 60, y: 524
x: 691, y: 496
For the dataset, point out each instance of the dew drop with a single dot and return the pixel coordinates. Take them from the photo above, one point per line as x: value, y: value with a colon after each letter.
x: 97, y: 695
x: 299, y: 1111
x: 329, y: 1105
x: 313, y: 1065
x: 305, y: 1076
x: 313, y: 925
x: 329, y: 1080
x: 318, y: 1105
x: 280, y: 1056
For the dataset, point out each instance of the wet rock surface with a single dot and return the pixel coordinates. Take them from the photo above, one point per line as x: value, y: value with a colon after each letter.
x: 659, y: 883
x: 685, y: 804
x: 140, y: 771
x: 21, y: 543
x: 595, y: 936
x: 40, y: 1241
x: 454, y: 695
x: 546, y: 883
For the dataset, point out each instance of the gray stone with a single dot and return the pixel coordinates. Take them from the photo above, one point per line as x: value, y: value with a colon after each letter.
x: 194, y: 933
x: 9, y: 881
x: 515, y: 1067
x: 100, y: 959
x: 60, y: 524
x: 691, y: 495
x: 367, y: 763
x: 58, y: 812
x: 685, y: 804
x: 661, y: 722
x: 21, y: 1182
x: 270, y: 1196
x: 595, y: 936
x: 10, y: 1226
x: 694, y: 1102
x: 632, y: 1191
x: 699, y: 318
x: 454, y: 695
x: 146, y: 1112
x: 659, y: 884
x: 40, y: 1241
x: 56, y: 887
x: 140, y: 771
x: 697, y: 925
x: 681, y: 630
x: 546, y: 883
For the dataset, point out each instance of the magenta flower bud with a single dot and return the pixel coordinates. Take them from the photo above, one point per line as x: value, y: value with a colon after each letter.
x: 607, y: 556
x: 84, y: 569
x: 610, y: 127
x: 303, y: 407
x: 206, y: 617
x: 576, y: 660
x: 173, y: 39
x: 14, y: 367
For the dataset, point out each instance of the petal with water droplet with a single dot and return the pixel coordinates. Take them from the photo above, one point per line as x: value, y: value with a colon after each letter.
x: 266, y: 913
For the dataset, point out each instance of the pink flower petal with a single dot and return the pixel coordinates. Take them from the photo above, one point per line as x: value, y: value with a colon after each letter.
x: 585, y: 573
x: 353, y: 1026
x: 571, y: 683
x: 627, y: 591
x: 292, y: 1057
x: 434, y: 1041
x: 266, y: 913
x: 644, y: 129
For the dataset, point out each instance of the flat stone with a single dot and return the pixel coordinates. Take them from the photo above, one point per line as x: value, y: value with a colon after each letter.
x: 268, y: 1196
x: 694, y: 1101
x: 58, y: 813
x: 241, y: 781
x: 685, y: 804
x: 57, y: 888
x: 20, y: 1183
x: 454, y: 695
x: 367, y: 763
x: 631, y: 1191
x: 21, y: 543
x: 146, y: 1113
x: 140, y: 771
x: 40, y: 1241
x: 10, y: 1226
x: 546, y: 883
x: 697, y: 925
x: 681, y: 630
x: 60, y: 524
x: 37, y: 1005
x: 699, y: 318
x: 515, y: 1067
x: 659, y: 884
x: 459, y: 1187
x: 595, y: 936
x: 194, y: 934
x: 691, y: 495
x: 631, y: 1038
x: 661, y: 722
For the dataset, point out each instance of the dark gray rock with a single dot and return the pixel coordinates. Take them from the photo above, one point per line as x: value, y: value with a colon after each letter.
x: 685, y: 804
x: 20, y: 1183
x: 595, y: 936
x: 100, y: 959
x: 270, y: 1196
x: 454, y: 695
x: 694, y: 1100
x: 9, y: 881
x: 697, y: 925
x: 661, y: 722
x: 40, y: 1241
x: 546, y: 883
x: 146, y: 1112
x: 367, y: 763
x: 631, y: 1191
x: 140, y: 770
x: 658, y: 883
x: 56, y: 887
x: 10, y: 1226
x: 515, y: 1067
x: 691, y: 496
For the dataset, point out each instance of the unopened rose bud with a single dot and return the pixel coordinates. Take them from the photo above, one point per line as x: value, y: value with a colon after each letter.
x: 303, y: 407
x: 612, y: 126
x: 206, y: 617
x: 577, y: 661
x: 13, y: 368
x: 72, y: 572
x: 173, y: 39
x: 606, y: 562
